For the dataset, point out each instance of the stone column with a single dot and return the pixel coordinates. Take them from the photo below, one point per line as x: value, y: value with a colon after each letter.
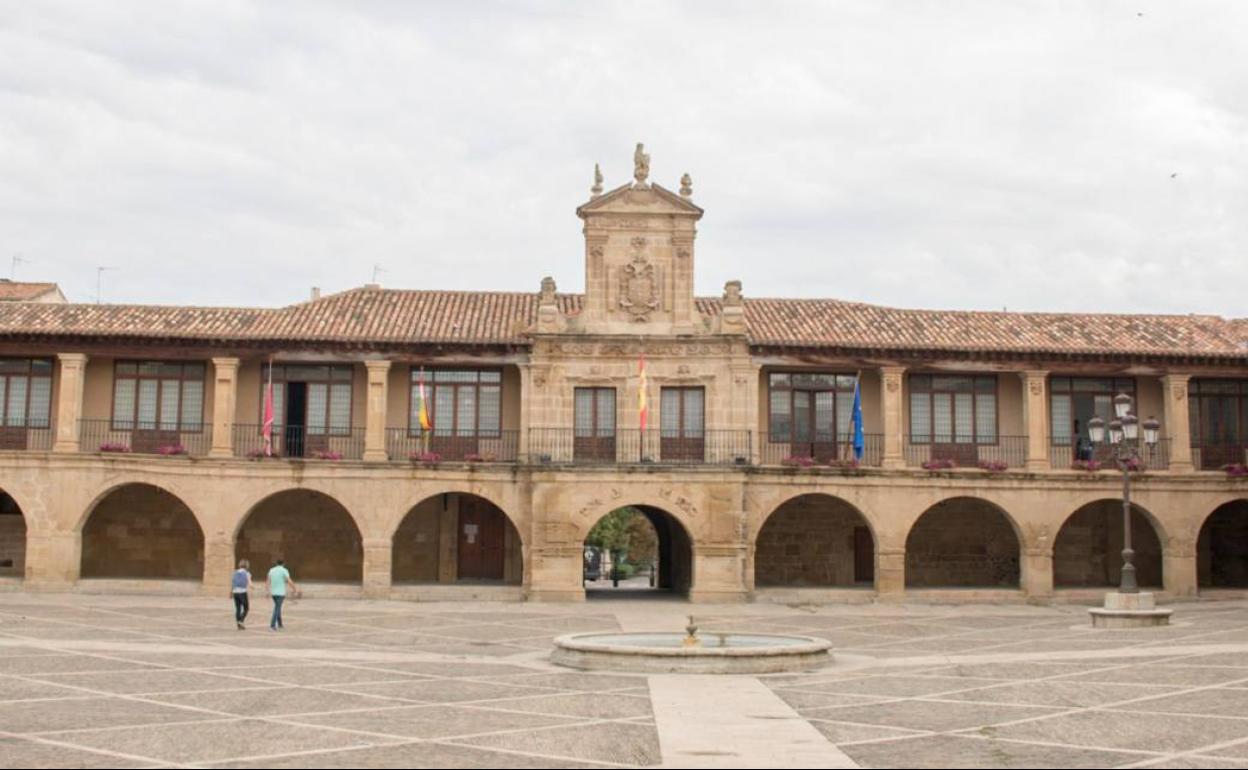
x: 52, y: 560
x: 1177, y: 421
x: 527, y: 404
x: 1178, y: 567
x: 1037, y: 573
x: 69, y: 401
x: 375, y: 421
x: 891, y: 403
x: 718, y: 574
x: 1035, y: 418
x: 224, y: 400
x: 890, y: 574
x: 378, y: 553
x: 556, y: 573
x: 219, y: 565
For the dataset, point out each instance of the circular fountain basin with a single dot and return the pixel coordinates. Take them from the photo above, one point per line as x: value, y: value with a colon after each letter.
x: 667, y: 653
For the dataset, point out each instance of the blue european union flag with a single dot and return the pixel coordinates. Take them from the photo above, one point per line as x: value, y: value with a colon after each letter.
x: 860, y: 440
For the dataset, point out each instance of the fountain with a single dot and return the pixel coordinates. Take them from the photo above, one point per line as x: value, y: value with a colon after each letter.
x: 672, y: 653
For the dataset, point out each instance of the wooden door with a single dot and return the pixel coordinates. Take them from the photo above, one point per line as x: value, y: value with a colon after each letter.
x: 481, y: 534
x: 864, y: 556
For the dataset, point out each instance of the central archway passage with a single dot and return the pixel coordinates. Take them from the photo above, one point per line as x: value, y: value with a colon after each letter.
x: 12, y: 538
x: 815, y: 540
x: 1088, y: 550
x: 964, y: 542
x: 457, y: 538
x: 311, y: 531
x: 647, y: 548
x: 1222, y: 548
x: 142, y: 531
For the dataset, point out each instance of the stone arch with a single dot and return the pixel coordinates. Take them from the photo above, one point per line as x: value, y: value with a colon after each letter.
x: 456, y: 536
x: 815, y: 539
x: 1087, y: 552
x: 1222, y: 547
x: 311, y: 531
x: 674, y: 570
x: 140, y: 530
x: 13, y: 527
x: 964, y: 542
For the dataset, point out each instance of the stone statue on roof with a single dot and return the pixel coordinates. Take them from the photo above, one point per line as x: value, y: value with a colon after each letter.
x: 641, y: 165
x: 596, y: 190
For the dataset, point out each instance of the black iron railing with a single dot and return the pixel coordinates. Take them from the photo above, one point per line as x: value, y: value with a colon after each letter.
x: 500, y: 446
x: 1005, y: 452
x: 140, y: 437
x: 1064, y: 454
x: 36, y: 437
x: 299, y: 441
x: 823, y: 450
x: 708, y: 447
x: 1215, y: 456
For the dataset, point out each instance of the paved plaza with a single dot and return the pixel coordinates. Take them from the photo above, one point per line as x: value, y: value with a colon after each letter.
x: 90, y: 681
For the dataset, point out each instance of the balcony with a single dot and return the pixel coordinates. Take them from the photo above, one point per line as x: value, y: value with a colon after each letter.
x: 624, y: 447
x: 34, y: 438
x: 1062, y: 456
x: 297, y: 441
x: 496, y: 446
x: 1010, y: 451
x: 824, y: 450
x: 144, y: 438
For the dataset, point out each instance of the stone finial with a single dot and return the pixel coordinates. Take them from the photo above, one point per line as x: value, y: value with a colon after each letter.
x: 732, y: 310
x: 596, y: 190
x: 732, y: 294
x: 641, y: 165
x: 686, y: 185
x: 548, y: 291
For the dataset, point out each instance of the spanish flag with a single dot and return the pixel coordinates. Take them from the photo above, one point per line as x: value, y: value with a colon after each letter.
x: 642, y: 412
x: 422, y: 413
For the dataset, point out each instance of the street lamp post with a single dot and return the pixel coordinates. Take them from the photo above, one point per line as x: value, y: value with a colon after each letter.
x: 1124, y: 441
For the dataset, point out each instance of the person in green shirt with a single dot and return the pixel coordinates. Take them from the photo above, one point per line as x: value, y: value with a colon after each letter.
x: 279, y: 582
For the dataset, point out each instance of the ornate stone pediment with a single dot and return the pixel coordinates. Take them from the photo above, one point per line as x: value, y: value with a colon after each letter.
x: 628, y: 199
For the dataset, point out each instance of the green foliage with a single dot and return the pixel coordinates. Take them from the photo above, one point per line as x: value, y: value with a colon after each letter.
x: 626, y: 531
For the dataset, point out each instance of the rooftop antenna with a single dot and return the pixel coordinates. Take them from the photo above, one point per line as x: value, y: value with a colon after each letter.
x: 99, y: 275
x: 377, y: 270
x: 18, y: 259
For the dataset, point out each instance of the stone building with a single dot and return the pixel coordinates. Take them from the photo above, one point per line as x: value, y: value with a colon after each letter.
x: 131, y: 448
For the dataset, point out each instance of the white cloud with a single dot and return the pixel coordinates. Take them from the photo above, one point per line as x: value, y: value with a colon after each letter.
x: 972, y: 155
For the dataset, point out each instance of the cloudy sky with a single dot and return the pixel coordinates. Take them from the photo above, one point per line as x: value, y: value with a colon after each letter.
x: 1048, y: 155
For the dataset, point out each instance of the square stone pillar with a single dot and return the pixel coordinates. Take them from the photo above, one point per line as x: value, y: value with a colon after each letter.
x: 52, y: 560
x: 378, y: 554
x: 224, y: 400
x: 1037, y: 574
x: 1179, y: 567
x: 1176, y: 421
x: 718, y: 574
x: 69, y: 401
x: 375, y: 420
x: 556, y: 573
x: 1036, y: 418
x: 890, y: 574
x: 891, y: 403
x: 219, y: 567
x: 527, y: 403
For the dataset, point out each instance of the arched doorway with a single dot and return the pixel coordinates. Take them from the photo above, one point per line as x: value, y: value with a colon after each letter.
x: 1088, y: 550
x: 456, y: 538
x: 311, y: 531
x: 815, y: 540
x: 12, y: 538
x: 1222, y: 548
x: 637, y: 550
x: 142, y: 531
x: 963, y: 542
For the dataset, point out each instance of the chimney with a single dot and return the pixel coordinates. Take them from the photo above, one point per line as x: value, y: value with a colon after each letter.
x: 316, y: 293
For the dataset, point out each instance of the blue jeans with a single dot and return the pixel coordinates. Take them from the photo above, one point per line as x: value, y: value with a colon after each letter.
x: 276, y: 622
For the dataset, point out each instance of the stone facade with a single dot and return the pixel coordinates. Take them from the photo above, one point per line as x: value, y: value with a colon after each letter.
x: 510, y: 504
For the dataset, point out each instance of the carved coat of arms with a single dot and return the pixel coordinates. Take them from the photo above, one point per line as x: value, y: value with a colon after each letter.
x: 639, y: 288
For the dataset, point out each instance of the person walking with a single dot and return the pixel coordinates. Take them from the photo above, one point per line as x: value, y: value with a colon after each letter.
x: 240, y: 585
x: 279, y: 583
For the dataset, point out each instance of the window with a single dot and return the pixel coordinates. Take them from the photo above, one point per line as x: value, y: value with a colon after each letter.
x: 681, y: 412
x: 1073, y: 401
x: 810, y: 407
x: 158, y: 395
x: 25, y: 392
x: 326, y: 396
x: 1218, y: 413
x: 953, y: 409
x: 594, y: 412
x: 462, y: 402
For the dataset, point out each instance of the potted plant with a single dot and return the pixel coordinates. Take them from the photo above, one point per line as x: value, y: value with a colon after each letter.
x: 425, y: 458
x: 171, y: 450
x: 847, y: 464
x: 114, y: 446
x: 1091, y: 466
x: 939, y: 464
x: 327, y: 454
x: 1236, y: 470
x: 798, y: 461
x: 994, y: 466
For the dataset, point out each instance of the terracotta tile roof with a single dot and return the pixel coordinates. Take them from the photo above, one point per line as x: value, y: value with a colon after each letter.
x: 17, y: 291
x: 401, y: 316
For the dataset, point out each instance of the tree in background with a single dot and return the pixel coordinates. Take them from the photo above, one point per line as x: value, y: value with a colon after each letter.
x: 626, y: 531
